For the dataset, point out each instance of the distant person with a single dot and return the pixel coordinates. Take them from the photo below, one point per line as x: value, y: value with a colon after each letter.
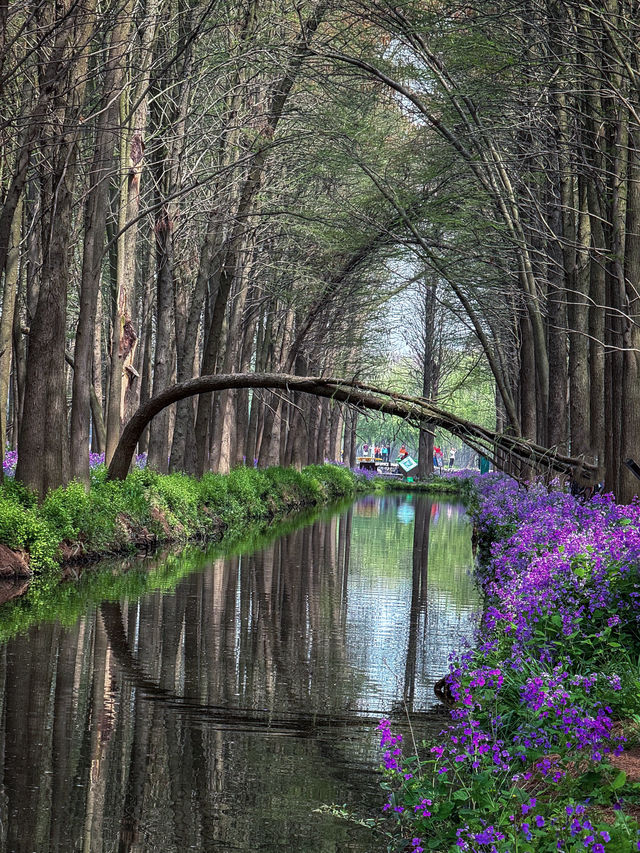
x: 385, y: 454
x: 484, y: 465
x: 365, y: 448
x: 452, y: 457
x: 403, y: 452
x: 440, y: 456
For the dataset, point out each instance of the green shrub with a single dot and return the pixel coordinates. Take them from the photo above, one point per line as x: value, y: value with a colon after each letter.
x: 22, y: 530
x: 15, y: 492
x: 65, y: 510
x: 111, y: 515
x: 335, y: 480
x: 98, y: 475
x: 244, y: 485
x: 179, y: 497
x: 289, y: 487
x: 215, y: 496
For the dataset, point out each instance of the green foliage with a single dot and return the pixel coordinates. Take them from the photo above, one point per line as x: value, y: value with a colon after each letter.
x: 435, y: 485
x: 112, y: 516
x: 23, y: 529
x: 288, y: 484
x: 248, y: 487
x: 334, y: 480
x: 177, y: 497
x: 65, y: 510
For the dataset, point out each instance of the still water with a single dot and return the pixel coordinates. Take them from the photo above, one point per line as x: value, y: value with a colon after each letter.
x: 218, y: 714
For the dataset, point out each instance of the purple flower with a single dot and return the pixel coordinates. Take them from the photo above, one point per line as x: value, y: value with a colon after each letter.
x: 561, y: 583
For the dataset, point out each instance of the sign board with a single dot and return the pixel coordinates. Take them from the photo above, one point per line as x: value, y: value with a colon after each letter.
x: 407, y: 464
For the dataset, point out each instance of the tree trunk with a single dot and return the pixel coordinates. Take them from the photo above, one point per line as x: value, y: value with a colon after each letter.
x: 95, y: 218
x: 6, y: 324
x: 527, y: 380
x: 159, y: 429
x: 99, y: 432
x: 43, y: 460
x: 630, y: 442
x: 124, y: 391
x: 579, y: 405
x: 425, y: 439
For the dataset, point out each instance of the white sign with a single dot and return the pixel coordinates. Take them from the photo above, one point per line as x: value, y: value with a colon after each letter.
x: 407, y: 464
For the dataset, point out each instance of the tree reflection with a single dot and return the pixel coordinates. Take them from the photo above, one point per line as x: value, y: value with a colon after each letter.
x: 419, y: 576
x: 216, y: 716
x: 185, y: 719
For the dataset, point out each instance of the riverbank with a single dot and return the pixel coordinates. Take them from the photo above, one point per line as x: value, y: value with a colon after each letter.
x: 540, y: 751
x: 450, y: 482
x: 74, y: 526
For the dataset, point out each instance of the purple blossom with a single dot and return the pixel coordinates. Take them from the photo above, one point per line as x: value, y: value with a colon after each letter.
x: 9, y: 463
x: 562, y: 591
x: 95, y: 459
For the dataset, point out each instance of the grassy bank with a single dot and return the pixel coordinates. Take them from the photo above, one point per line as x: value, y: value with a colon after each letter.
x: 136, y: 575
x: 149, y: 508
x: 540, y: 753
x: 453, y: 483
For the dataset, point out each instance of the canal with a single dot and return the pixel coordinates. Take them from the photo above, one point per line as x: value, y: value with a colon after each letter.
x: 220, y: 713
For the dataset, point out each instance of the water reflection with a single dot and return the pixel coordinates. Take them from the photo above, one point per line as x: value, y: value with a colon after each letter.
x: 217, y: 716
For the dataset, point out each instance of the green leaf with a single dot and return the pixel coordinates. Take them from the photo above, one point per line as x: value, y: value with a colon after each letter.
x: 619, y: 781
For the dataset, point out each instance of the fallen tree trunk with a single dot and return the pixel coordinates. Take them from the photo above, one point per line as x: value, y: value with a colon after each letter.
x: 415, y: 410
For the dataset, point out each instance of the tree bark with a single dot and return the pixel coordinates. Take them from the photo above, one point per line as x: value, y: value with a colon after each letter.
x: 43, y: 460
x: 630, y: 438
x: 95, y: 218
x: 6, y: 324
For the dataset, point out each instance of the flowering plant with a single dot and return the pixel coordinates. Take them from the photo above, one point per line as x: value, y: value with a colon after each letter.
x: 528, y: 762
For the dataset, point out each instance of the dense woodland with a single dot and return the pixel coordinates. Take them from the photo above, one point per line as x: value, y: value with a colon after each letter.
x: 192, y: 187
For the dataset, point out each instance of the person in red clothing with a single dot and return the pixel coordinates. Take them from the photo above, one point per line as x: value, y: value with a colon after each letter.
x: 403, y: 452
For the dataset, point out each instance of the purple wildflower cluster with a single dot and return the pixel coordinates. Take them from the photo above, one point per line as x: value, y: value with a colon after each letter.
x: 459, y: 473
x: 392, y: 756
x: 554, y: 664
x: 486, y: 838
x: 9, y: 463
x: 95, y: 459
x: 365, y: 473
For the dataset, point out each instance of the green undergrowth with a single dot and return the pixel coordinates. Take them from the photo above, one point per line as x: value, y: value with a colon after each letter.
x: 116, y: 579
x: 433, y: 485
x: 116, y: 516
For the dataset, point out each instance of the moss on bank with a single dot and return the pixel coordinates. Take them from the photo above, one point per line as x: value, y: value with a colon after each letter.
x: 114, y: 517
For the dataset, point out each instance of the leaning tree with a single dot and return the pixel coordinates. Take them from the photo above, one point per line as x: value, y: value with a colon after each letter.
x: 416, y: 410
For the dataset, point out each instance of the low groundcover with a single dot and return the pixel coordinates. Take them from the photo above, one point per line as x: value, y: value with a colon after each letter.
x: 547, y: 700
x: 146, y: 507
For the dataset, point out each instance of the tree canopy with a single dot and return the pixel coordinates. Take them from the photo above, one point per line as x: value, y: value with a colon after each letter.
x: 190, y: 188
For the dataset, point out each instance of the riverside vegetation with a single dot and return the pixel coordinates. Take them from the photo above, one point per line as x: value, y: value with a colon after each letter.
x: 115, y: 516
x: 245, y: 508
x: 547, y: 701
